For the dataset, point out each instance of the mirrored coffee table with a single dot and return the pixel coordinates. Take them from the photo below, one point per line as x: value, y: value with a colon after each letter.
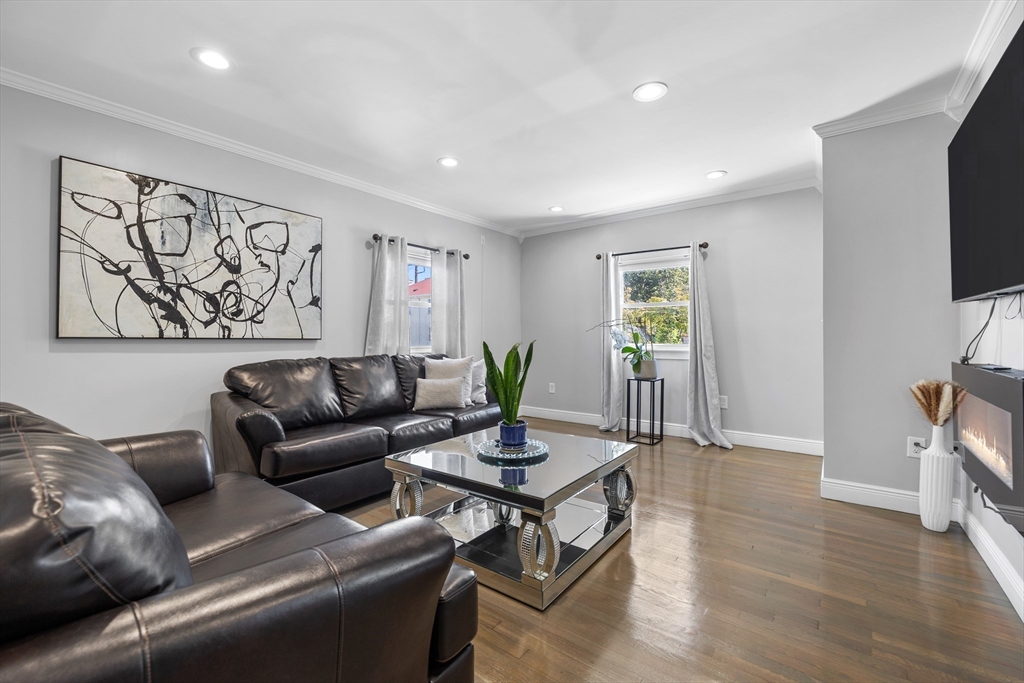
x: 529, y: 529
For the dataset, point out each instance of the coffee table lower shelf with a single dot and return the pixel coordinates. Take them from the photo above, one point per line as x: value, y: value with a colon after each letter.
x: 487, y: 540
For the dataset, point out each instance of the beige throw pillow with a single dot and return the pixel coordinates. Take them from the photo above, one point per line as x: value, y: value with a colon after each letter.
x: 449, y: 368
x: 479, y: 395
x: 435, y: 394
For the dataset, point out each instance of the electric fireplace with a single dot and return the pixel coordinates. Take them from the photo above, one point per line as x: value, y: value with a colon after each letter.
x: 990, y: 427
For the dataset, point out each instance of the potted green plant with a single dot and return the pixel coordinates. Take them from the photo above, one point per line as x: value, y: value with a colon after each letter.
x: 508, y: 388
x: 634, y: 337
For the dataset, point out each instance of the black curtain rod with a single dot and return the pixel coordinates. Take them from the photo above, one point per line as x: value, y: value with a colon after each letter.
x: 376, y: 238
x: 702, y: 245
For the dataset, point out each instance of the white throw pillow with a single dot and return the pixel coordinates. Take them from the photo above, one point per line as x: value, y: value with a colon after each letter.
x: 479, y: 395
x: 448, y: 368
x: 434, y: 394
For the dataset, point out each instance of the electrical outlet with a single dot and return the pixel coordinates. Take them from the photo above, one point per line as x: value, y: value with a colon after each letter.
x: 551, y: 388
x: 483, y: 239
x: 915, y: 444
x: 723, y: 401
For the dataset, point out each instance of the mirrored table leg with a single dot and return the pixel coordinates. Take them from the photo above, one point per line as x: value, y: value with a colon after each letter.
x: 503, y: 514
x: 406, y: 497
x: 539, y: 546
x: 620, y: 491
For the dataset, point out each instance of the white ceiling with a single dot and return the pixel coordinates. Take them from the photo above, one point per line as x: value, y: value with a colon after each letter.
x: 532, y: 97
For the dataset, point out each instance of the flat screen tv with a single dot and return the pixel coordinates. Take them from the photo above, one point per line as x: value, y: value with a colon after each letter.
x: 986, y: 186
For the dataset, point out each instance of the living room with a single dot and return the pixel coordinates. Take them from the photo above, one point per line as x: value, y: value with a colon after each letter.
x: 827, y: 266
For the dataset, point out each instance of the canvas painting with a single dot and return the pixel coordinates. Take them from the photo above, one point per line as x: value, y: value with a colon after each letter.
x: 142, y: 257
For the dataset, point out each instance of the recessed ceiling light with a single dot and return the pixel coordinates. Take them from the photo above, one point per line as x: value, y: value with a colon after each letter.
x: 716, y: 174
x: 556, y: 209
x: 450, y: 162
x: 211, y: 58
x: 648, y: 92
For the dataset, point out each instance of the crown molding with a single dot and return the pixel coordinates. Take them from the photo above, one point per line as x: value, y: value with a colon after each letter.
x: 850, y: 124
x: 964, y: 89
x: 996, y: 15
x: 603, y: 218
x: 20, y: 81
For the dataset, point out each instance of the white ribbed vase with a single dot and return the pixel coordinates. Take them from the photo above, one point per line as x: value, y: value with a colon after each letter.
x: 936, y: 487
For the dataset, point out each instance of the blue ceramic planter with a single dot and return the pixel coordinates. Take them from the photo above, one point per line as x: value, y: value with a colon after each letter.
x: 513, y: 437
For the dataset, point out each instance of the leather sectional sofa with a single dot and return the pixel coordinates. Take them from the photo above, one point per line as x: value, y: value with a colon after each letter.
x: 320, y: 427
x: 149, y: 567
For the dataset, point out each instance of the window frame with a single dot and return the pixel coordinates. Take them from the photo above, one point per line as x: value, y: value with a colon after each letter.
x: 656, y: 261
x: 419, y: 257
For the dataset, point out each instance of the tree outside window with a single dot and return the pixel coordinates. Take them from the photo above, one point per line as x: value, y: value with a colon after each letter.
x: 658, y: 299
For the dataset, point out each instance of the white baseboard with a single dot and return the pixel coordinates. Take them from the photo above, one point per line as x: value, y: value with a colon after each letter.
x: 561, y: 415
x: 874, y: 496
x: 995, y: 558
x: 768, y: 441
x: 776, y: 443
x: 907, y: 501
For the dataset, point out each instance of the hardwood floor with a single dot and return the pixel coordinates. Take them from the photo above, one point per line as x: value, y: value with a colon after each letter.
x: 735, y: 569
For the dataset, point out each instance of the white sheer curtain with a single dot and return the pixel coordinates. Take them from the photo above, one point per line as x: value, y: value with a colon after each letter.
x: 611, y: 359
x: 448, y: 304
x: 703, y: 405
x: 387, y: 327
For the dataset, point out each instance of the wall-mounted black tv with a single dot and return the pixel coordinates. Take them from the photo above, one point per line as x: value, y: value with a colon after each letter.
x: 986, y: 186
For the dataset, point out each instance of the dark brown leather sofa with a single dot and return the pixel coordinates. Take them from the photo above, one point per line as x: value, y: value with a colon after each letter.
x: 148, y: 567
x: 320, y: 427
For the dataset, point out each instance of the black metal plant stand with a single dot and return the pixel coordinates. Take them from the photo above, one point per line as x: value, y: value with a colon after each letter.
x: 648, y: 438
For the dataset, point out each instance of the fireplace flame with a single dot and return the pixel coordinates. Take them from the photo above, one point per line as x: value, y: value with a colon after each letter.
x: 990, y: 454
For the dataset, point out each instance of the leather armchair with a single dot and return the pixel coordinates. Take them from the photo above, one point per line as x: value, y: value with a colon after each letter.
x: 356, y: 609
x: 279, y: 590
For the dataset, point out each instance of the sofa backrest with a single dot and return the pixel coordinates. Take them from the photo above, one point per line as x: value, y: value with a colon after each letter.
x: 82, y: 533
x: 410, y: 368
x: 368, y: 386
x: 301, y: 393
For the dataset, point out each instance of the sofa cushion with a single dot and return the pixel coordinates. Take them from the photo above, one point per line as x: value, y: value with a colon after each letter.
x: 479, y: 392
x: 438, y: 394
x: 407, y: 430
x: 239, y: 509
x: 306, y: 534
x: 301, y: 393
x: 368, y: 385
x: 82, y: 533
x: 448, y: 368
x: 324, y: 447
x: 410, y: 368
x: 471, y: 419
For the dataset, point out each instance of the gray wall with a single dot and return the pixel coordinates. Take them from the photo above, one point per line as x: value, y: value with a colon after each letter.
x: 888, y: 317
x: 764, y: 271
x: 111, y: 387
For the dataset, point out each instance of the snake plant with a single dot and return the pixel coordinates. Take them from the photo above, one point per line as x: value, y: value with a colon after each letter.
x: 508, y: 385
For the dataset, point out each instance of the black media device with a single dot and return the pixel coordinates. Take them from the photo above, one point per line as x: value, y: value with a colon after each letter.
x: 986, y: 186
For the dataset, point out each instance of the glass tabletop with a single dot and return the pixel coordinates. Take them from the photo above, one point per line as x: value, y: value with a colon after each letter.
x: 572, y: 464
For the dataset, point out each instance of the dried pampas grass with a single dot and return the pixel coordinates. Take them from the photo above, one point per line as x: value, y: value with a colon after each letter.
x: 939, y: 400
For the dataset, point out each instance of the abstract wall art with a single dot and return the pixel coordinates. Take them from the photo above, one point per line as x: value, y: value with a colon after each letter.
x: 147, y: 258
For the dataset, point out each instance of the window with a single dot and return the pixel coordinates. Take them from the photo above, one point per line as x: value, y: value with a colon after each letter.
x: 656, y: 295
x: 419, y: 300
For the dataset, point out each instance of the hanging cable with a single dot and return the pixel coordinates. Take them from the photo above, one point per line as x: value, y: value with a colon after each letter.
x: 968, y: 354
x: 1019, y: 296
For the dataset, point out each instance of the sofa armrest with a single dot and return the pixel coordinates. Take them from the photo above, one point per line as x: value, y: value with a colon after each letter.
x: 241, y: 428
x: 356, y: 609
x: 174, y: 465
x: 259, y: 428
